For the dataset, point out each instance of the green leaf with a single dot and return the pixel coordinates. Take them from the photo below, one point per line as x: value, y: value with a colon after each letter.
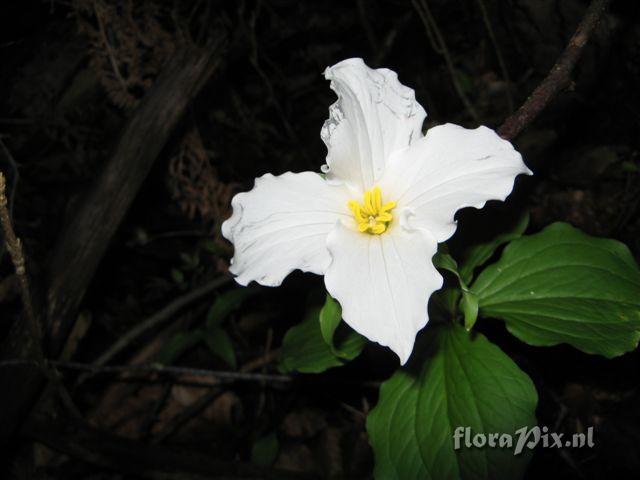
x: 469, y: 301
x: 564, y: 286
x: 178, y: 345
x: 305, y: 350
x: 219, y: 343
x: 265, y: 451
x: 629, y: 166
x: 479, y: 254
x: 177, y: 276
x: 330, y: 318
x: 226, y: 304
x: 469, y: 306
x: 454, y: 379
x: 443, y: 260
x: 335, y: 334
x: 444, y: 303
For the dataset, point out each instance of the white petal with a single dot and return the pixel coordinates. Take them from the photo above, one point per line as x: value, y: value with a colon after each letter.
x: 383, y: 283
x: 450, y: 168
x: 374, y: 116
x: 282, y: 225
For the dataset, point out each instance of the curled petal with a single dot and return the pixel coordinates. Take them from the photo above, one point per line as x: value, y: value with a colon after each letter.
x: 451, y: 168
x: 374, y: 116
x: 282, y: 224
x: 383, y: 283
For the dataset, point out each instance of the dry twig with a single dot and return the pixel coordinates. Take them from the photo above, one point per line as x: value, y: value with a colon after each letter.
x: 220, y: 375
x: 87, y: 235
x: 195, y: 376
x: 440, y: 46
x: 108, y: 49
x: 14, y: 247
x: 160, y: 317
x: 186, y: 415
x: 496, y: 47
x: 560, y: 75
x: 16, y: 175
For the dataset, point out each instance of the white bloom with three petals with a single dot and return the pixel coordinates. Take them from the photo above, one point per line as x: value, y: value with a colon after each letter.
x: 372, y: 225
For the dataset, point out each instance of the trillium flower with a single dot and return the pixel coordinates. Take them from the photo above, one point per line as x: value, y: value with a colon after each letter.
x: 372, y: 223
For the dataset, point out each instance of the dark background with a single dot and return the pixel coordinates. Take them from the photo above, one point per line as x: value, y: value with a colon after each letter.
x: 74, y: 72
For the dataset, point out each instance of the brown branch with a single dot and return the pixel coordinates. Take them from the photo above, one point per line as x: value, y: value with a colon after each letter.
x: 161, y: 316
x: 16, y: 176
x: 86, y: 236
x: 221, y: 375
x: 151, y: 368
x: 261, y: 361
x: 14, y: 247
x: 183, y: 375
x: 186, y: 415
x: 560, y: 75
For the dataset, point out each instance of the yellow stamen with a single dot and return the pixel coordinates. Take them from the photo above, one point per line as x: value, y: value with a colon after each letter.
x: 372, y: 216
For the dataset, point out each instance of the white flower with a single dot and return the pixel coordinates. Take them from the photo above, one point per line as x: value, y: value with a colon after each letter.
x: 373, y: 224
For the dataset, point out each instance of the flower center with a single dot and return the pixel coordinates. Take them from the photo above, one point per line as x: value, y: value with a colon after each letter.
x: 372, y: 216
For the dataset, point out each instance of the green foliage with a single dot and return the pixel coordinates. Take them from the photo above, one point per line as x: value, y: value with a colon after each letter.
x: 330, y: 317
x: 213, y: 336
x: 216, y: 340
x: 305, y: 350
x: 478, y: 254
x: 564, y: 286
x: 453, y: 379
x: 343, y: 342
x: 469, y: 302
x: 178, y: 345
x: 219, y: 344
x: 265, y: 450
x: 470, y: 307
x: 558, y: 286
x: 226, y: 304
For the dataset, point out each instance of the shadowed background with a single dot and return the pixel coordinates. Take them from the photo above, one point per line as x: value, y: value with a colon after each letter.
x: 183, y: 104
